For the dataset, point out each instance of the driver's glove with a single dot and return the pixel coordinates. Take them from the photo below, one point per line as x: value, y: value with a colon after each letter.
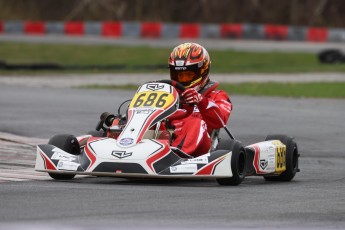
x: 191, y: 96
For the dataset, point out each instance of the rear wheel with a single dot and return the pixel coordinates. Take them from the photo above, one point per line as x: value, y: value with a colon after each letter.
x: 238, y: 162
x: 292, y: 156
x: 68, y: 143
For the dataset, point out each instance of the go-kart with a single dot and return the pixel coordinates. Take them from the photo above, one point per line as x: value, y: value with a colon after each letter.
x: 132, y: 144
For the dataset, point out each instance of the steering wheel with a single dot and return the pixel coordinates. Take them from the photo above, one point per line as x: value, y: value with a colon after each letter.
x: 173, y: 83
x: 106, y: 118
x: 180, y: 113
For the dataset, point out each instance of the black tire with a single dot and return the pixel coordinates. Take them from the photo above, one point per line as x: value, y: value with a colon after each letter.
x: 225, y: 144
x: 68, y: 143
x: 96, y: 133
x: 238, y: 162
x: 331, y: 56
x: 292, y: 156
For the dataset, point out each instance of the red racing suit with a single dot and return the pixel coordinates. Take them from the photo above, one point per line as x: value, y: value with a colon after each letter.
x: 192, y: 134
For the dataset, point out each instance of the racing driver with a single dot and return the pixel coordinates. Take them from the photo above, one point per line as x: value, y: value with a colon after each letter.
x: 189, y: 65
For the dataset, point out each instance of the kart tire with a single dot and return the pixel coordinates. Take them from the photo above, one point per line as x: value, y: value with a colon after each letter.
x: 238, y: 162
x: 331, y: 56
x: 68, y: 143
x: 96, y: 133
x: 292, y: 156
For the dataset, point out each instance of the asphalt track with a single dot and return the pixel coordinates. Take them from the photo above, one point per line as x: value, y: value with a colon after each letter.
x: 314, y: 200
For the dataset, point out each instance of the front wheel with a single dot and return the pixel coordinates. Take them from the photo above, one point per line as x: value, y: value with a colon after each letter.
x: 67, y: 143
x: 292, y: 156
x: 238, y: 162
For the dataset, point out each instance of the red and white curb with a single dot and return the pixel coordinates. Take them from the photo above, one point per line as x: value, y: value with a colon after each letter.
x: 17, y: 158
x: 24, y: 174
x: 159, y: 30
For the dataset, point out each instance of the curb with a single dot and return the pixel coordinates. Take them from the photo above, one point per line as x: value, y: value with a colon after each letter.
x: 17, y: 150
x: 160, y: 30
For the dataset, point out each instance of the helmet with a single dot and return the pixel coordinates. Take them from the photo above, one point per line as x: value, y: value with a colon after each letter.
x: 191, y: 59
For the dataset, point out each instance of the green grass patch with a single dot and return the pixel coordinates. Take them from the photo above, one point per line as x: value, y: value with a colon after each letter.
x: 297, y: 90
x: 134, y: 58
x: 309, y: 90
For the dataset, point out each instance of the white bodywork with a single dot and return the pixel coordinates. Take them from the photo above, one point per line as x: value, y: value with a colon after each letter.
x: 131, y: 155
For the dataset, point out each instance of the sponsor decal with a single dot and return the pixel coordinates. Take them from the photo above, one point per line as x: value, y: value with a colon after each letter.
x: 263, y: 164
x: 271, y: 155
x: 67, y: 165
x: 126, y: 141
x: 187, y: 168
x: 154, y: 86
x: 196, y: 109
x: 198, y: 160
x: 180, y: 63
x: 180, y: 68
x: 121, y: 154
x: 62, y: 155
x: 144, y: 111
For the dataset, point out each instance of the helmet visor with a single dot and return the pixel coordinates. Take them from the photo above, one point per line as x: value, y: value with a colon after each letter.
x: 185, y: 75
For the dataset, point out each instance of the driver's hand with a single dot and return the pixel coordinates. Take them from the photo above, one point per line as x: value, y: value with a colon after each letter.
x: 191, y: 96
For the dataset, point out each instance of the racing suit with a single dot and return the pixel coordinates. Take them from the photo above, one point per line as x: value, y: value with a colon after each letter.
x: 192, y: 134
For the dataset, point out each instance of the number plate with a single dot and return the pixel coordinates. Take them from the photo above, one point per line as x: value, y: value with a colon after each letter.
x: 280, y: 156
x: 157, y: 99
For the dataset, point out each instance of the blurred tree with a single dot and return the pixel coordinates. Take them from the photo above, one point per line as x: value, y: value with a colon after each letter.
x: 288, y: 12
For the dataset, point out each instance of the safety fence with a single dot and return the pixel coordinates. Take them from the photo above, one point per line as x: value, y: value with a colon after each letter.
x: 161, y: 30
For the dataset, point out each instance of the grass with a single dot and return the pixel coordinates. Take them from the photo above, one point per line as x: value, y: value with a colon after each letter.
x: 307, y: 90
x: 65, y: 54
x: 144, y: 59
x: 297, y: 90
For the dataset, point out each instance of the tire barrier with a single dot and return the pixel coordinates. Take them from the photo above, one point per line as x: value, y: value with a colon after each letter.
x: 161, y: 30
x: 54, y: 66
x: 331, y: 56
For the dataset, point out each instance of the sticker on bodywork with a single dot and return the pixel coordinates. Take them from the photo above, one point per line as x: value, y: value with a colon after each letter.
x: 121, y: 154
x: 269, y: 157
x: 67, y: 165
x: 187, y: 168
x: 62, y: 155
x: 156, y: 99
x: 126, y: 141
x: 198, y: 160
x: 280, y: 156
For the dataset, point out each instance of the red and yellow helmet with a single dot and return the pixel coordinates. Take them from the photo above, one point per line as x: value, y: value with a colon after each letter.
x: 189, y: 64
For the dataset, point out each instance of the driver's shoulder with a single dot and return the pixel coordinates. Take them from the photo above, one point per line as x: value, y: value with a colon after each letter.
x: 209, y: 88
x: 211, y: 91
